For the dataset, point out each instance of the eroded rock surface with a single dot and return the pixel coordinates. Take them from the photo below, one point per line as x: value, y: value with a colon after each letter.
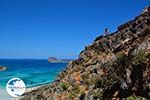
x: 111, y: 68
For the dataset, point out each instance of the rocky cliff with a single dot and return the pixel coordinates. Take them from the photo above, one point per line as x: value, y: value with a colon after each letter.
x: 113, y: 67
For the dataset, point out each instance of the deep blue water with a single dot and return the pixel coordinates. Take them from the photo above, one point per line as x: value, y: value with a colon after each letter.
x: 32, y: 72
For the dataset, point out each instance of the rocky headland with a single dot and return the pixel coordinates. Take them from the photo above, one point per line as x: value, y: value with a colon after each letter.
x: 113, y: 67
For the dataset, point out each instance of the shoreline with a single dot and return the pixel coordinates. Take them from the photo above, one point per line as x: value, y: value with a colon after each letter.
x: 5, y: 96
x: 29, y: 89
x: 38, y: 85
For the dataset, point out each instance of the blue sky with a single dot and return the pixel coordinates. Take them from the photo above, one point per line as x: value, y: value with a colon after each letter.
x: 60, y: 28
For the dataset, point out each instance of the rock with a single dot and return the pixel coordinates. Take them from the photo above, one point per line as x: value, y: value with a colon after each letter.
x: 2, y: 68
x: 112, y: 67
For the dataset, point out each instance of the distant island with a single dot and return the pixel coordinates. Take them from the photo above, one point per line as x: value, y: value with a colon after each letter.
x: 2, y: 68
x: 56, y: 60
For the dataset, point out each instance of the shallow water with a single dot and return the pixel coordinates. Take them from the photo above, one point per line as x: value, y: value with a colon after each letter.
x: 32, y: 72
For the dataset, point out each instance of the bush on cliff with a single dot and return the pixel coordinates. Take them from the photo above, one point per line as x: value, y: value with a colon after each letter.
x: 65, y: 86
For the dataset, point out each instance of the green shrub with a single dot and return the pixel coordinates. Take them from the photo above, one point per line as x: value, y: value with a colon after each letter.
x: 65, y: 86
x: 96, y: 81
x: 74, y: 92
x: 141, y: 57
x: 122, y: 58
x: 135, y: 98
x: 76, y: 89
x: 97, y: 95
x: 82, y: 95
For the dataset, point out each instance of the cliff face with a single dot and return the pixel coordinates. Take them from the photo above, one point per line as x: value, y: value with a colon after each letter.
x: 112, y: 67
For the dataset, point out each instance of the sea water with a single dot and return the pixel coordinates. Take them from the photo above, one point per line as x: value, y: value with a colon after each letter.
x: 32, y: 72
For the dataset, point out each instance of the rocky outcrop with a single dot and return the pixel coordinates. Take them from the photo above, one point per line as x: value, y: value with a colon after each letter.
x: 2, y: 68
x: 113, y: 67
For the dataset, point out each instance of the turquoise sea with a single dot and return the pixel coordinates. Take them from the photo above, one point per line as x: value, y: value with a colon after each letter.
x: 32, y: 72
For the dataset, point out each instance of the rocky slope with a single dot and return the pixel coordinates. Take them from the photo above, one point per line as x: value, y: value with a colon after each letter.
x: 113, y: 67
